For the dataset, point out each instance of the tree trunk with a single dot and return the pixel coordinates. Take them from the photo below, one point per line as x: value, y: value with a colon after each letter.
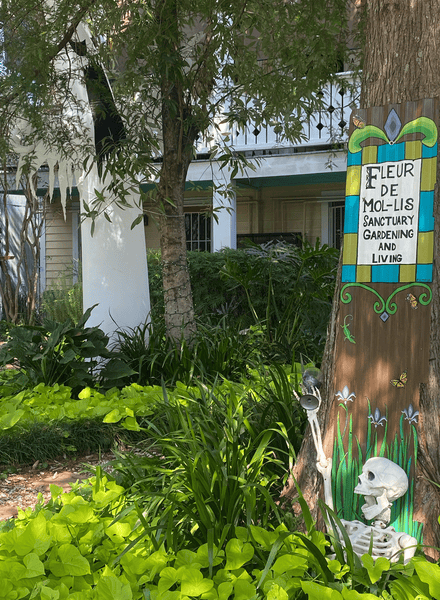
x: 178, y: 143
x: 401, y: 64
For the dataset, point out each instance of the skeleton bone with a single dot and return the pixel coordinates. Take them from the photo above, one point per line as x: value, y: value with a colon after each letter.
x: 381, y: 483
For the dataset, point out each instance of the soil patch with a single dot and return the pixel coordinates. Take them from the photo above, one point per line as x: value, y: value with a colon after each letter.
x: 21, y: 488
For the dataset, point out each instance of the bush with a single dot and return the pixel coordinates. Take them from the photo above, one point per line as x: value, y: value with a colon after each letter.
x: 55, y: 353
x: 63, y: 299
x: 205, y: 470
x: 216, y: 350
x: 283, y: 292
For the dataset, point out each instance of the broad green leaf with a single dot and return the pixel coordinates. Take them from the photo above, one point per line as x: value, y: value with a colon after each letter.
x: 33, y: 538
x: 263, y: 537
x: 71, y: 562
x: 225, y: 590
x: 55, y: 491
x: 47, y: 593
x: 168, y: 577
x: 375, y: 568
x: 114, y: 416
x: 277, y: 593
x: 315, y: 591
x: 9, y: 420
x: 193, y: 582
x: 429, y: 573
x: 290, y: 562
x: 186, y: 558
x: 34, y: 566
x: 354, y: 595
x: 157, y: 561
x: 131, y: 424
x: 237, y: 554
x: 243, y: 590
x: 7, y: 590
x: 203, y: 556
x: 112, y: 588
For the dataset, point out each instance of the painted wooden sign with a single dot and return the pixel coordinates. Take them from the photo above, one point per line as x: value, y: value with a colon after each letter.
x: 384, y: 312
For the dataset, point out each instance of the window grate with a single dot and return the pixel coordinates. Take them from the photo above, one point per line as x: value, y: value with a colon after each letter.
x: 198, y: 232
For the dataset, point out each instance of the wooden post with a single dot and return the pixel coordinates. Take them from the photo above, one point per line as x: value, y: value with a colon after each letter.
x: 382, y: 339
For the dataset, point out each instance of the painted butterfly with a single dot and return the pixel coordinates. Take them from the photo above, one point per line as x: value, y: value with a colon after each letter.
x: 413, y: 301
x: 401, y: 381
x: 357, y: 121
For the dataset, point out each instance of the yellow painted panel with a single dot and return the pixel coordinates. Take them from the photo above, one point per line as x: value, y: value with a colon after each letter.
x: 413, y: 150
x: 363, y: 273
x: 429, y: 170
x: 353, y: 180
x: 425, y: 247
x: 350, y: 249
x: 369, y: 155
x: 407, y: 273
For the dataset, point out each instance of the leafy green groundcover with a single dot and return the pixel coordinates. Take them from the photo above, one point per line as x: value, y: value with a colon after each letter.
x: 45, y: 421
x: 87, y: 544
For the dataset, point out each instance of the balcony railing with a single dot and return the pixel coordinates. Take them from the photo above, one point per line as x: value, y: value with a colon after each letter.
x: 323, y: 128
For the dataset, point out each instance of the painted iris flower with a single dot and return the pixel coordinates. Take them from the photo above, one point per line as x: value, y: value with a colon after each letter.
x: 345, y: 395
x: 410, y: 414
x: 377, y: 418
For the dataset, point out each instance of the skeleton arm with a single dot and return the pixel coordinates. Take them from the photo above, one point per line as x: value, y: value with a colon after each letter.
x: 323, y: 464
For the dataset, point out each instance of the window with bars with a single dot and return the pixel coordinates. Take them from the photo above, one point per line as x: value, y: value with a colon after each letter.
x: 198, y: 232
x: 336, y: 225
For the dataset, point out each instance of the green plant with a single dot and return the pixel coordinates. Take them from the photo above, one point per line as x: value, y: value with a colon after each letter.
x: 89, y: 545
x: 56, y: 353
x: 289, y: 292
x: 151, y: 357
x: 63, y: 299
x: 206, y: 470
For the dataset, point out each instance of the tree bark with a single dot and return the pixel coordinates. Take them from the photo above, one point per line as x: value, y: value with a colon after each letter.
x: 401, y: 64
x: 178, y: 142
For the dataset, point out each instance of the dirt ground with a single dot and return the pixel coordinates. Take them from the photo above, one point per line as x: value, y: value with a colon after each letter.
x: 21, y: 488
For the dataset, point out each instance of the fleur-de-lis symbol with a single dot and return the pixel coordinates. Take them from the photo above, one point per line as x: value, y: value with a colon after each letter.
x: 410, y: 414
x: 345, y: 395
x: 377, y: 418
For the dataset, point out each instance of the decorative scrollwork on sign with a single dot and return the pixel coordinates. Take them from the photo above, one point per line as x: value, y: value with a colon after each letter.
x: 388, y: 307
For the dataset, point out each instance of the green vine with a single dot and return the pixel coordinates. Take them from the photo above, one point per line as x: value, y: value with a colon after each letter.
x: 390, y: 307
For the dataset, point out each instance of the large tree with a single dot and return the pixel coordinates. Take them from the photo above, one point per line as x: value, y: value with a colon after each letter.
x: 180, y: 70
x: 401, y: 63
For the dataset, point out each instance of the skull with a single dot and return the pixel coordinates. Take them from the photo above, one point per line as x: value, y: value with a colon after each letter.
x: 381, y: 483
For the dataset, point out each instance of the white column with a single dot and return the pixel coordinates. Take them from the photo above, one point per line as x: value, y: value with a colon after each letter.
x: 114, y: 266
x: 224, y: 228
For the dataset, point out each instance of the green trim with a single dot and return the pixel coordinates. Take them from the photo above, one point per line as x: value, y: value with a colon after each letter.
x: 422, y: 125
x: 390, y: 307
x: 292, y: 180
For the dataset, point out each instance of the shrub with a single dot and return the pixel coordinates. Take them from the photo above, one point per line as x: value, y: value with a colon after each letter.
x: 55, y: 353
x: 205, y: 470
x: 283, y: 292
x: 152, y: 358
x: 63, y: 299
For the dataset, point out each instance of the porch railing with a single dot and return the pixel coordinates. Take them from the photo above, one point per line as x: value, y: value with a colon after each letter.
x: 324, y: 127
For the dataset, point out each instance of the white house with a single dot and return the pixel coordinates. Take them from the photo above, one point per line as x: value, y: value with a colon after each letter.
x: 295, y: 192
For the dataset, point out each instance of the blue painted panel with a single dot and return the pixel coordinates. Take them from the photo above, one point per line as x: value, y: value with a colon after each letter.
x: 351, y: 214
x: 348, y: 273
x: 385, y: 273
x: 426, y: 212
x: 429, y: 152
x: 354, y: 159
x: 424, y: 273
x: 390, y: 152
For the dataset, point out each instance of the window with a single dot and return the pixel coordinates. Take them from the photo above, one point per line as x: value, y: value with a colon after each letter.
x: 336, y: 223
x: 198, y: 231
